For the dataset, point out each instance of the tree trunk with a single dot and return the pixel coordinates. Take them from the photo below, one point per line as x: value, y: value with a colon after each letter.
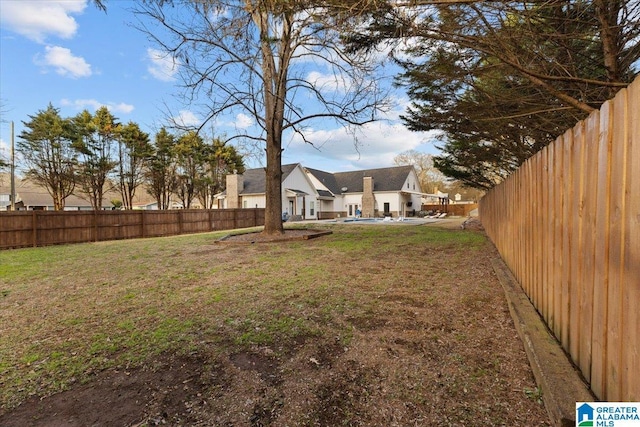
x: 274, y: 96
x: 273, y: 187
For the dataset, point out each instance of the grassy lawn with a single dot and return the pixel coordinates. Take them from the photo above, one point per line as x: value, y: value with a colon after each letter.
x: 371, y: 325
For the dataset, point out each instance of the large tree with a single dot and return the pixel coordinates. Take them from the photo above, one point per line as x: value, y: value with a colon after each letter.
x: 97, y: 137
x: 46, y: 147
x: 191, y: 158
x: 254, y: 58
x: 221, y: 159
x: 428, y: 175
x: 503, y: 78
x: 160, y: 173
x: 134, y: 151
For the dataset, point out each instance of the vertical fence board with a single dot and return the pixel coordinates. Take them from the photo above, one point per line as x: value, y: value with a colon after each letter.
x: 537, y: 176
x: 616, y: 247
x: 550, y: 261
x: 601, y: 252
x: 567, y: 241
x: 588, y: 238
x: 543, y: 226
x: 520, y: 203
x: 577, y: 180
x: 556, y: 218
x: 530, y: 245
x: 631, y: 267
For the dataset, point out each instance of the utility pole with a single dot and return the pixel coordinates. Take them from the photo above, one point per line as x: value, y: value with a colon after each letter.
x: 13, y: 172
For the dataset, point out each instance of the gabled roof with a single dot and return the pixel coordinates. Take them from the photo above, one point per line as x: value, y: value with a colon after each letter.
x: 254, y: 179
x: 384, y: 179
x: 327, y: 179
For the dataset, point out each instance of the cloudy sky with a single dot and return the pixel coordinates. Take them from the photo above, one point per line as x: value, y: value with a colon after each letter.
x: 70, y: 54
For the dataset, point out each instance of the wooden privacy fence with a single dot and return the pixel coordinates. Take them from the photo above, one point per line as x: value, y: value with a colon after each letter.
x: 567, y: 224
x: 42, y: 228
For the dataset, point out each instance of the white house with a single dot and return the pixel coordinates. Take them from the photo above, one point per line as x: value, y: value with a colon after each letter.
x: 314, y: 194
x: 299, y: 197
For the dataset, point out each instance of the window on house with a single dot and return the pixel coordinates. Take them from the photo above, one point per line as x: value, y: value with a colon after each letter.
x: 407, y: 185
x: 386, y: 208
x: 312, y: 208
x: 244, y: 204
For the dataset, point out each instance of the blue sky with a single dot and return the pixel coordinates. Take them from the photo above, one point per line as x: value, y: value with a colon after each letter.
x: 74, y: 56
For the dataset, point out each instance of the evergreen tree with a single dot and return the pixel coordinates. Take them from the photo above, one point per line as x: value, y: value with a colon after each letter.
x: 160, y: 173
x: 134, y: 151
x: 46, y: 147
x: 96, y: 144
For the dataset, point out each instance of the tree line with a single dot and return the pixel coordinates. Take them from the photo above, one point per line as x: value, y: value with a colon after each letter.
x: 502, y: 79
x: 92, y: 154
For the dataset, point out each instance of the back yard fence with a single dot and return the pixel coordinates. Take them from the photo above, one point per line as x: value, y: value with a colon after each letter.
x: 567, y: 224
x: 42, y: 228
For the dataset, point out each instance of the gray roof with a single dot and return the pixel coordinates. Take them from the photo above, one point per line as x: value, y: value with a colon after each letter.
x: 384, y: 179
x: 254, y: 179
x: 327, y: 179
x: 32, y: 195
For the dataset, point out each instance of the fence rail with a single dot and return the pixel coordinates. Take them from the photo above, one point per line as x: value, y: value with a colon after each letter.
x: 567, y: 224
x: 42, y: 228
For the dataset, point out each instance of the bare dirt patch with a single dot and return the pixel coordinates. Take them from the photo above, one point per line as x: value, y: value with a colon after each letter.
x: 368, y: 326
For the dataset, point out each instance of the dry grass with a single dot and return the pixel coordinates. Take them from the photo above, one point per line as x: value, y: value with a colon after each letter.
x: 372, y: 325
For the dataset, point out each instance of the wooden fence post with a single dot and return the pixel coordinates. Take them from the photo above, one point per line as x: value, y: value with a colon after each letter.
x: 95, y: 225
x: 143, y: 224
x: 34, y: 223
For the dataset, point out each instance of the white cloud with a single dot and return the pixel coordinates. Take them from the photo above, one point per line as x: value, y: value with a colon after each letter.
x: 187, y: 118
x: 243, y: 121
x: 163, y: 66
x: 92, y: 104
x: 38, y: 19
x: 64, y: 62
x: 327, y: 82
x: 372, y: 145
x: 121, y: 108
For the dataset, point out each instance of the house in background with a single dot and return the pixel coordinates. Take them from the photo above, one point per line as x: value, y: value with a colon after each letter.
x: 393, y: 191
x: 299, y: 198
x: 31, y: 196
x: 314, y: 194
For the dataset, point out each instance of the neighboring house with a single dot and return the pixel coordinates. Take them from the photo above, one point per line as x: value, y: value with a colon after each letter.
x: 31, y: 196
x: 436, y: 198
x: 314, y: 194
x: 5, y: 191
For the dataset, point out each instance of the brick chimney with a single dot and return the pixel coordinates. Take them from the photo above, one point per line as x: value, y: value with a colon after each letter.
x: 235, y: 185
x: 368, y: 199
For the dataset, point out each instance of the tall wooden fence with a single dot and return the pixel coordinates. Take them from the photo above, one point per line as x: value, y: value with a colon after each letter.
x: 567, y: 224
x: 42, y: 228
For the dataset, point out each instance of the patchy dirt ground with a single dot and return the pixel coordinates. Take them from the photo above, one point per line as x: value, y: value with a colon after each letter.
x: 417, y: 335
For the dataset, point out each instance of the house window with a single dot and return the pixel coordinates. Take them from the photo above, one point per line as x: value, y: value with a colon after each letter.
x: 244, y: 204
x: 386, y: 208
x: 312, y: 208
x: 407, y: 185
